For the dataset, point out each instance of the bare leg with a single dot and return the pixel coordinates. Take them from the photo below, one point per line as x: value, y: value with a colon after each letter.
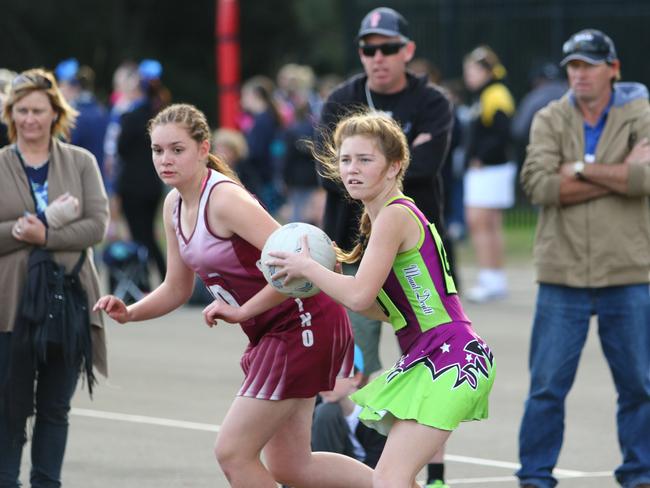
x: 409, y: 447
x: 289, y: 457
x: 283, y: 429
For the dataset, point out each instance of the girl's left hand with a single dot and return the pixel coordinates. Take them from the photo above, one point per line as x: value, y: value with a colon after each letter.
x: 290, y: 265
x: 221, y: 310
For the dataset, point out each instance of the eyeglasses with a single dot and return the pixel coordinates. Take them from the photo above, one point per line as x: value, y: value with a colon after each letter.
x: 387, y: 48
x: 37, y: 80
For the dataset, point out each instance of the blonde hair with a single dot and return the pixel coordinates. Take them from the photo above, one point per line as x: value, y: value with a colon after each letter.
x: 33, y: 80
x: 196, y: 124
x: 232, y: 139
x: 392, y: 144
x: 488, y: 59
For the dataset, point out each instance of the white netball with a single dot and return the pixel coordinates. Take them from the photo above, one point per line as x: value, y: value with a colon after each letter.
x: 288, y: 239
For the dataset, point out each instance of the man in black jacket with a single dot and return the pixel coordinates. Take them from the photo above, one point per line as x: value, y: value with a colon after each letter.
x: 425, y: 115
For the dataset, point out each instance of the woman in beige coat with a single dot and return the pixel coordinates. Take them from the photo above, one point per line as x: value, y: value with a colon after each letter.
x: 51, y: 196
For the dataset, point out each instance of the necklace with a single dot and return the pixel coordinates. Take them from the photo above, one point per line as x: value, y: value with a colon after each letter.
x: 371, y: 104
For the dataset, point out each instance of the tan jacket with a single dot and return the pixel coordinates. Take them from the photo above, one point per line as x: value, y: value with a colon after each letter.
x: 600, y: 242
x: 74, y: 170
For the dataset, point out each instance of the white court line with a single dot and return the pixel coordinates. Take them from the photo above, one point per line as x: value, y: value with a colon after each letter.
x: 503, y: 464
x: 181, y: 424
x: 502, y: 479
x: 141, y: 419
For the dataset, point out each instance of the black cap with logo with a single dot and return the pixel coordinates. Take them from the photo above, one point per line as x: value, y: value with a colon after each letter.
x: 385, y: 22
x: 591, y: 46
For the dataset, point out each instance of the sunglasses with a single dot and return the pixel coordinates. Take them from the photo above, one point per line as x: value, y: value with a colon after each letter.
x: 590, y: 46
x: 387, y: 48
x: 36, y: 80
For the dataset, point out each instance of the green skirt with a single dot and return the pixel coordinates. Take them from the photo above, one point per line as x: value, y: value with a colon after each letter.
x: 414, y: 394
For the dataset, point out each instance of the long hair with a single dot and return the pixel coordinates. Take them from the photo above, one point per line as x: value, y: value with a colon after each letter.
x: 488, y: 59
x: 391, y: 142
x: 196, y: 124
x: 33, y: 80
x: 263, y: 88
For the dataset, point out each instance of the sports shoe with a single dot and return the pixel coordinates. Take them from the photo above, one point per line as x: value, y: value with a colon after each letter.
x: 436, y: 484
x: 483, y: 294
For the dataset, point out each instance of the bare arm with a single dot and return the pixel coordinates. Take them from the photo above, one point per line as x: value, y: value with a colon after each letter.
x: 173, y: 292
x: 234, y: 211
x: 392, y: 229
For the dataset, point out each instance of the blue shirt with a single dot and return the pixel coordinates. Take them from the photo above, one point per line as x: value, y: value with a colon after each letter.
x: 593, y: 133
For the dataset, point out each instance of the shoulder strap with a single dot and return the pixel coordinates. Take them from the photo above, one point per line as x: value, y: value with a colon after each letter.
x: 29, y: 181
x: 80, y: 262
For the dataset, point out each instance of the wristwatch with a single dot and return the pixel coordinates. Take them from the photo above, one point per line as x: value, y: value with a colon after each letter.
x: 578, y: 170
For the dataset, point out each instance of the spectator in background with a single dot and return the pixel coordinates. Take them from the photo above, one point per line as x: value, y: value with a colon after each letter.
x: 138, y: 186
x: 125, y: 92
x: 547, y: 84
x: 425, y: 115
x: 489, y: 179
x: 300, y: 175
x: 77, y: 85
x: 424, y: 68
x: 261, y: 127
x: 6, y: 76
x: 453, y: 171
x: 229, y: 145
x: 40, y: 363
x: 336, y: 426
x: 588, y: 168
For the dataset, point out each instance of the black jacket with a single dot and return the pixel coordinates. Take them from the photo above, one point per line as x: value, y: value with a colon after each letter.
x: 419, y: 108
x: 137, y: 175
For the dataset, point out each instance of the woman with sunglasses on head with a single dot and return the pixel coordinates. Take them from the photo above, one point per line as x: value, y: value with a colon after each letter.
x: 53, y: 198
x: 446, y: 371
x: 216, y: 229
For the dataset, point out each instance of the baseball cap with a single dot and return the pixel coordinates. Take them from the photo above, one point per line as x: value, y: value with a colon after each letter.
x: 591, y: 46
x: 150, y: 69
x: 385, y: 22
x: 67, y: 70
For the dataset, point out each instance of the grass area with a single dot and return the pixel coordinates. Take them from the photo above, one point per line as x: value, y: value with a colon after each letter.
x: 519, y: 246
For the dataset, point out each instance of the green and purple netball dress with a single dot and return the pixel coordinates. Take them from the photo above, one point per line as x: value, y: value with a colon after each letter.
x: 446, y: 371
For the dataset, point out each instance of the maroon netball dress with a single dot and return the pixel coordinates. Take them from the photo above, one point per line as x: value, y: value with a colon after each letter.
x: 295, y: 349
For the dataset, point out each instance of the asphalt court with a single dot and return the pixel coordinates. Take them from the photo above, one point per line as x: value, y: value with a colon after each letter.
x: 152, y: 424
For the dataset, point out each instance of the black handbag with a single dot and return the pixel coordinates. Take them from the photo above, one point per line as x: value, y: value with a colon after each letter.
x: 53, y: 309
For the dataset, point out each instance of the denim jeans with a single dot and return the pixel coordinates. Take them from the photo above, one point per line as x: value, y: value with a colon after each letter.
x: 55, y: 386
x: 559, y: 333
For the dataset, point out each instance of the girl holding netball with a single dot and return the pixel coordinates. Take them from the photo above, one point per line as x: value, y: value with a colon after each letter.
x: 446, y: 371
x: 215, y: 228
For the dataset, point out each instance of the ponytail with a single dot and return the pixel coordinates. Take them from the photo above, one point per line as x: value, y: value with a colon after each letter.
x: 218, y: 165
x: 365, y: 226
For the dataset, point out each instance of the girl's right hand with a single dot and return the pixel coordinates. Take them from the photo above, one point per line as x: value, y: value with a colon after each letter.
x: 219, y: 309
x: 114, y: 307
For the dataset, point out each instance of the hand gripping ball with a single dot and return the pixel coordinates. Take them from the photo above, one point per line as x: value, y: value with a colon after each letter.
x: 288, y: 239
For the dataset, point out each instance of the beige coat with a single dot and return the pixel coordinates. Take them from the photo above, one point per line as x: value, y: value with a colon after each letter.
x: 603, y: 241
x: 74, y: 170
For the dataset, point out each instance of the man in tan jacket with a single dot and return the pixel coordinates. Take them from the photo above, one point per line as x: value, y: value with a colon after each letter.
x: 588, y: 169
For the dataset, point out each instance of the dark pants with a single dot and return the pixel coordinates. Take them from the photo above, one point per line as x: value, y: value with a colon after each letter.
x: 559, y: 333
x: 55, y: 386
x: 140, y: 213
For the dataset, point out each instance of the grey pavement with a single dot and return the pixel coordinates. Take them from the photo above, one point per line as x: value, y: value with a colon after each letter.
x: 152, y: 424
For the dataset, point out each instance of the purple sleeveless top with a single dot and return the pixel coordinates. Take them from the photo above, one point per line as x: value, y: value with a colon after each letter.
x: 419, y: 293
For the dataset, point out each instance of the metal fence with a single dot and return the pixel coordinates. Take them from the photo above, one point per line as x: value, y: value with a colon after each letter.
x: 522, y: 32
